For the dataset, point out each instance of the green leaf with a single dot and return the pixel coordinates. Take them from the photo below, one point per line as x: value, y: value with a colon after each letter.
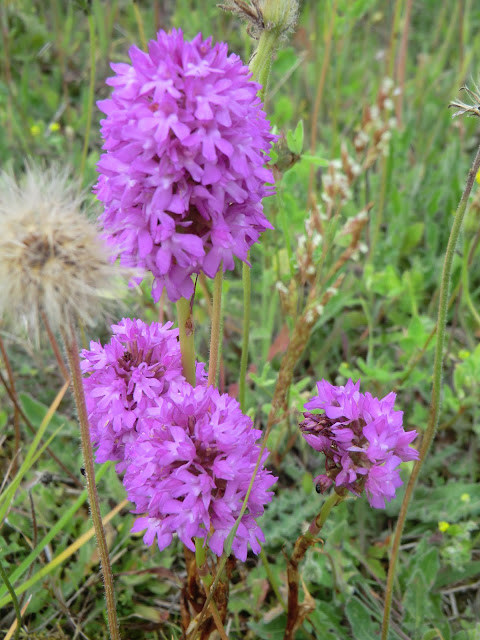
x: 295, y: 139
x: 412, y: 237
x: 272, y: 630
x: 360, y: 619
x: 36, y: 412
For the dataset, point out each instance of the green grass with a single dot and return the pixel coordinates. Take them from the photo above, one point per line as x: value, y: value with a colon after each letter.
x: 375, y: 326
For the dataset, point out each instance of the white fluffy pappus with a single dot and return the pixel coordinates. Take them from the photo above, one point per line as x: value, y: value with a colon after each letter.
x: 52, y: 258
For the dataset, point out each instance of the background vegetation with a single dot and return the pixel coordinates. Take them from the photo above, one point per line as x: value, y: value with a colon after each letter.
x: 377, y: 323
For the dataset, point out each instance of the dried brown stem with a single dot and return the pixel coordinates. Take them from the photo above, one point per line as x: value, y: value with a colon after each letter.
x: 194, y: 597
x: 16, y: 414
x: 296, y: 612
x: 56, y: 349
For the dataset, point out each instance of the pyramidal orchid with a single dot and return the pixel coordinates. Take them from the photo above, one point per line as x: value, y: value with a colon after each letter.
x: 362, y: 438
x: 182, y: 175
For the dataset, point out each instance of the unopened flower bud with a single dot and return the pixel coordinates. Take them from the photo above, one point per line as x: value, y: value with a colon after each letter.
x: 280, y: 15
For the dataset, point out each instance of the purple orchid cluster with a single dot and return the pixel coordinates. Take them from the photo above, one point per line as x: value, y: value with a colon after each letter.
x: 183, y: 176
x: 188, y: 453
x: 182, y: 179
x: 362, y: 438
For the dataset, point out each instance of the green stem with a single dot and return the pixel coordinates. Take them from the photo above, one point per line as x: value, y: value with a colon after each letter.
x: 262, y: 60
x: 247, y: 288
x: 260, y: 68
x: 200, y: 552
x: 91, y: 92
x: 436, y: 389
x: 13, y: 595
x: 187, y: 343
x: 377, y: 216
x: 71, y: 348
x: 272, y: 578
x: 332, y: 501
x: 216, y: 330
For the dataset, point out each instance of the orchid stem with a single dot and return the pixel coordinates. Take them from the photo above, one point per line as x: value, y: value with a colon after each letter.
x: 302, y: 544
x: 216, y: 330
x: 187, y: 343
x: 260, y: 67
x: 247, y: 288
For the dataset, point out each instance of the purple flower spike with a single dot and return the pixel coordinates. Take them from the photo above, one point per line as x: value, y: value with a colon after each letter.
x: 127, y: 376
x: 190, y: 471
x: 362, y: 438
x: 182, y: 177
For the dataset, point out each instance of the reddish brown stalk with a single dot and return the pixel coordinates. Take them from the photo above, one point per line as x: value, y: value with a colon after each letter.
x: 56, y: 349
x: 390, y: 58
x: 297, y: 612
x: 16, y: 414
x: 296, y: 347
x: 402, y: 56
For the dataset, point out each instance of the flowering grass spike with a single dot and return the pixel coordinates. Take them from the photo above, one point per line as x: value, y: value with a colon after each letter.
x: 182, y: 177
x: 362, y: 438
x: 191, y: 470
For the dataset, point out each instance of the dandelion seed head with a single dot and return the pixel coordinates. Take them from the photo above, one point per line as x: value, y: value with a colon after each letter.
x: 52, y: 259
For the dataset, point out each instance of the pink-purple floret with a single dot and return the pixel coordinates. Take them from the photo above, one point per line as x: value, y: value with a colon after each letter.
x: 362, y: 438
x: 182, y: 176
x: 192, y: 469
x: 188, y: 452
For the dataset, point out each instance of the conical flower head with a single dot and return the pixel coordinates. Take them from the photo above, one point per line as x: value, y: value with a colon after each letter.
x: 182, y: 176
x: 191, y: 470
x: 362, y: 438
x: 52, y: 259
x: 127, y: 376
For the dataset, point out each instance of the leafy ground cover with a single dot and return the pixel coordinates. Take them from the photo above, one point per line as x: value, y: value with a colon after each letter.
x: 369, y: 170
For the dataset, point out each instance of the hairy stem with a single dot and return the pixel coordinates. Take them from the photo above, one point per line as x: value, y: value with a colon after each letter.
x: 56, y: 349
x: 71, y: 348
x: 436, y: 388
x: 261, y: 62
